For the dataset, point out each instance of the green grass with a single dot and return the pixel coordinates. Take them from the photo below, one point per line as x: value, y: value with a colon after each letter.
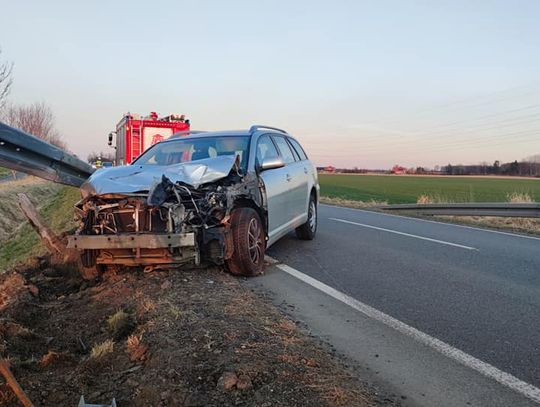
x: 406, y: 189
x: 57, y: 211
x: 4, y: 172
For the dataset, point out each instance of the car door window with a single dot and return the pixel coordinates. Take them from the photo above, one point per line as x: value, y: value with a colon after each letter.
x: 296, y: 156
x: 286, y: 153
x: 265, y: 150
x: 298, y: 148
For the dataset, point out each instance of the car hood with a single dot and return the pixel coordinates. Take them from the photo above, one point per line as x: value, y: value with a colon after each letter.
x: 130, y: 179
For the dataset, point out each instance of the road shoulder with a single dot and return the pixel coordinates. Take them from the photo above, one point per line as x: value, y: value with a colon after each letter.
x: 398, y: 364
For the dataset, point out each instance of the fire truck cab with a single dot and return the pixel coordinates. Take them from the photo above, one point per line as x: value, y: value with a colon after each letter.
x: 134, y: 133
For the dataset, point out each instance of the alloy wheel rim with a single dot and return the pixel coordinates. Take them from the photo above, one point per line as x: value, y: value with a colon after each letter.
x: 312, y: 216
x: 254, y: 241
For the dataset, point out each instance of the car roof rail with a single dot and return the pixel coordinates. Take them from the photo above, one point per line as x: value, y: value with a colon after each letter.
x: 256, y: 127
x: 185, y: 132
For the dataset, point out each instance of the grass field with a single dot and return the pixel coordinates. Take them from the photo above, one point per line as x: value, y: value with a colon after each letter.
x: 4, y: 172
x: 56, y: 208
x: 406, y: 189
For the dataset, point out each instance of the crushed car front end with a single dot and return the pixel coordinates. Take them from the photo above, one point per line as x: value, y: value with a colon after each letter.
x: 127, y: 231
x: 158, y: 216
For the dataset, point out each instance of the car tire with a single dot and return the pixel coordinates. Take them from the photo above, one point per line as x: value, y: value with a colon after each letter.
x: 308, y: 230
x: 248, y: 241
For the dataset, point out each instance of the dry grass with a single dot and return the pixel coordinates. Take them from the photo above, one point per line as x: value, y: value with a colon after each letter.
x: 52, y: 357
x: 120, y: 324
x: 173, y: 310
x: 519, y: 197
x: 522, y: 225
x: 135, y: 347
x: 515, y: 224
x: 145, y: 307
x: 7, y: 397
x: 513, y: 197
x: 337, y: 396
x: 241, y: 305
x: 102, y: 349
x: 432, y: 199
x: 287, y: 326
x: 9, y: 328
x: 350, y: 203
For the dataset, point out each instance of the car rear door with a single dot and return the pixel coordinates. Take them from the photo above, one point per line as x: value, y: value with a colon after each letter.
x: 276, y: 186
x: 309, y: 170
x: 296, y: 179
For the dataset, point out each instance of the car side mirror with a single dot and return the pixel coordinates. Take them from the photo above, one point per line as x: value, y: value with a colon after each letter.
x: 271, y: 164
x: 111, y: 134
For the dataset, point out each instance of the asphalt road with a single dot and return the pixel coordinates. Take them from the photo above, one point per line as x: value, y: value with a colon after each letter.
x: 476, y: 290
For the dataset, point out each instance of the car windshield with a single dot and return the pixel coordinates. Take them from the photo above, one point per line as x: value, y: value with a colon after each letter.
x: 192, y: 149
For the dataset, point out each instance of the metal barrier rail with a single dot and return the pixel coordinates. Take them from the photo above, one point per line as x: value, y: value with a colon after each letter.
x: 515, y: 210
x: 23, y: 152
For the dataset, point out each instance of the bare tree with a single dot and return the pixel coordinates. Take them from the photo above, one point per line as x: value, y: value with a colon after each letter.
x: 6, y: 68
x: 36, y: 119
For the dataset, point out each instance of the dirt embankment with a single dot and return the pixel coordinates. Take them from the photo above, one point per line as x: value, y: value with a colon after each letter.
x: 192, y: 338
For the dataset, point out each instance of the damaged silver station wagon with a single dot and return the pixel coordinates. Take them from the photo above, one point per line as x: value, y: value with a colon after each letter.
x: 218, y: 197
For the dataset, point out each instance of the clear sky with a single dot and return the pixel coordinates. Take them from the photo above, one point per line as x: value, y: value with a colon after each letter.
x: 360, y: 83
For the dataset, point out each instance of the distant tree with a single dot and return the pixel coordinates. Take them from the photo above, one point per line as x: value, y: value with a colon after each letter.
x: 534, y: 164
x: 36, y: 119
x: 6, y: 80
x: 449, y: 169
x: 513, y: 168
x: 497, y: 167
x: 484, y: 167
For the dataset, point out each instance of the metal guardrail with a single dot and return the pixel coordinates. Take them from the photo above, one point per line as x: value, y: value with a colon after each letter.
x: 514, y: 210
x: 23, y: 152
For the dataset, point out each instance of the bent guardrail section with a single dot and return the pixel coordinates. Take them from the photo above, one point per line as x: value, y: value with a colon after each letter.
x: 23, y: 152
x: 517, y: 210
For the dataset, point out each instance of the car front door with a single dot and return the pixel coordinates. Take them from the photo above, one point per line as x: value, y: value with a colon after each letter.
x: 276, y: 187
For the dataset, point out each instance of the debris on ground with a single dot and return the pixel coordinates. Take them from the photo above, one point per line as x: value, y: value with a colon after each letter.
x: 14, y: 386
x: 159, y: 339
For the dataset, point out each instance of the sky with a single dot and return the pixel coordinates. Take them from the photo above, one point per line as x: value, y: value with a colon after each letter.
x: 360, y: 83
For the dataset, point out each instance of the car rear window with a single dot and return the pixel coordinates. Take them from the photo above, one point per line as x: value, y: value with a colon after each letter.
x: 298, y: 148
x: 284, y: 149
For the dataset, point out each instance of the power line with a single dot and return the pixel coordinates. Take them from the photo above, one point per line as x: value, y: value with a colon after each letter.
x: 429, y: 145
x: 473, y: 102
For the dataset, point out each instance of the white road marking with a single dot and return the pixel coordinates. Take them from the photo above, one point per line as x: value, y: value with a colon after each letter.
x: 506, y: 379
x: 404, y: 234
x: 434, y: 221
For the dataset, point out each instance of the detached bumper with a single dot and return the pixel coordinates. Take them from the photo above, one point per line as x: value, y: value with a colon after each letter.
x: 142, y: 241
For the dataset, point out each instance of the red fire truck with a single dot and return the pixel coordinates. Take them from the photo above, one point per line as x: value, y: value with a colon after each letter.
x: 135, y: 133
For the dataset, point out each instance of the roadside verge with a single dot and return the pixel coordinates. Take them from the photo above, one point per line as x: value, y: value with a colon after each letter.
x: 181, y: 337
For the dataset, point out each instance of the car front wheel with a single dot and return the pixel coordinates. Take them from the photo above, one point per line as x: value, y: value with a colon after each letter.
x: 307, y: 230
x: 248, y: 241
